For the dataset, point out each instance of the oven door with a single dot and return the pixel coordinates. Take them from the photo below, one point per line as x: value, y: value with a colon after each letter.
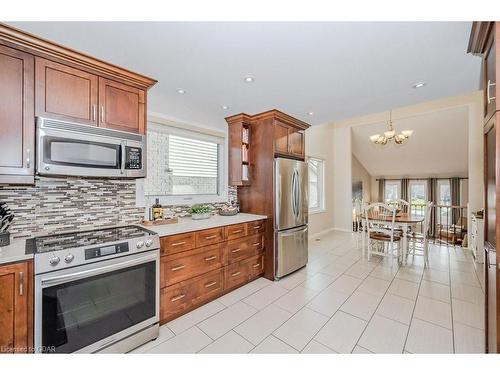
x: 87, y: 308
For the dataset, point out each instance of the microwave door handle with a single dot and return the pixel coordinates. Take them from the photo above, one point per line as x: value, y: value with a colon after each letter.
x: 122, y: 153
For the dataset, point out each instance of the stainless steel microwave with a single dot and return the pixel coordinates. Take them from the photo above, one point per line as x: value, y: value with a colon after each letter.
x: 69, y: 149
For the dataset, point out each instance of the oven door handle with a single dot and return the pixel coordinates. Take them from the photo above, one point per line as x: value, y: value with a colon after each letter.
x: 96, y: 271
x: 122, y: 149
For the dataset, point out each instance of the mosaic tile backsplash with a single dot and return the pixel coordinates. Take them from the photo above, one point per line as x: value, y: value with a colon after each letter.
x: 70, y: 203
x: 65, y: 204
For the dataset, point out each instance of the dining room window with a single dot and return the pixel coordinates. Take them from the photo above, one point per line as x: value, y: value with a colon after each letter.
x: 417, y: 194
x: 316, y: 185
x: 392, y: 191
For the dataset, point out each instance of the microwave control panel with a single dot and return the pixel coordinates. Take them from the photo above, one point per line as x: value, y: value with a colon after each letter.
x: 133, y: 157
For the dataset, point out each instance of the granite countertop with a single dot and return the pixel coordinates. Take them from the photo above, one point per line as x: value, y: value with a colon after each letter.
x: 15, y: 252
x: 187, y: 224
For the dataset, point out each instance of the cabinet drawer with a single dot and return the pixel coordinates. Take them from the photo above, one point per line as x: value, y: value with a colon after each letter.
x: 255, y: 265
x: 236, y: 231
x: 209, y: 236
x: 191, y: 263
x: 255, y: 227
x: 179, y: 297
x: 177, y: 243
x: 237, y: 250
x: 240, y: 273
x: 235, y: 274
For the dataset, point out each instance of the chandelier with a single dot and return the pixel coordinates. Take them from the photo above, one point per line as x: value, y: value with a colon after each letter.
x: 390, y: 135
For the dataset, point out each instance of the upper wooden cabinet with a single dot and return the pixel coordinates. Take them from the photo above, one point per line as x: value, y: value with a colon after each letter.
x: 17, y: 120
x: 484, y: 41
x: 121, y: 107
x: 289, y: 141
x: 240, y: 151
x: 65, y: 93
x: 16, y: 323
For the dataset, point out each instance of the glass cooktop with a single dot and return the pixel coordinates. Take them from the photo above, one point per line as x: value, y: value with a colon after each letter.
x: 64, y: 241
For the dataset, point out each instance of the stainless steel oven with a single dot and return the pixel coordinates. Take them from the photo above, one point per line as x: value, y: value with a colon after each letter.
x: 96, y: 291
x: 69, y: 149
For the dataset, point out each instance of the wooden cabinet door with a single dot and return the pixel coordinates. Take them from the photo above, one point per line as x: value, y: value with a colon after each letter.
x: 14, y: 307
x: 65, y: 93
x: 296, y: 142
x: 17, y: 119
x: 491, y: 90
x: 281, y: 138
x: 121, y: 107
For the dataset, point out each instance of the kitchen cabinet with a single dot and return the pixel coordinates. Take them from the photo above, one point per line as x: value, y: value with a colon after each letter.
x: 17, y: 120
x: 16, y: 320
x: 65, y: 93
x: 281, y: 144
x: 121, y: 107
x: 296, y: 143
x: 240, y: 150
x: 289, y: 141
x: 200, y: 266
x: 484, y: 42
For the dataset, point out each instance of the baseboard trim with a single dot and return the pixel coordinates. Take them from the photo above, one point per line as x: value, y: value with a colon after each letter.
x: 343, y: 230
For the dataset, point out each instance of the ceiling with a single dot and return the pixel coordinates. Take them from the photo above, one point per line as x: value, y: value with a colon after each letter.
x: 336, y: 70
x: 437, y: 148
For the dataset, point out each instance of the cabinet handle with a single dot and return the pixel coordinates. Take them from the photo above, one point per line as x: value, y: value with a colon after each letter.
x: 180, y: 296
x: 256, y: 227
x: 28, y: 159
x: 178, y: 243
x: 488, y: 97
x: 237, y: 231
x: 211, y: 237
x: 208, y: 285
x: 256, y: 244
x: 235, y: 274
x: 211, y: 258
x: 21, y: 283
x: 177, y: 268
x: 256, y: 265
x: 102, y: 114
x: 94, y: 112
x: 235, y: 250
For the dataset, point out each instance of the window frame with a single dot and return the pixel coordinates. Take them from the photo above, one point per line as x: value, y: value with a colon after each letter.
x: 392, y: 182
x: 321, y: 186
x: 426, y: 193
x: 222, y: 184
x: 440, y: 182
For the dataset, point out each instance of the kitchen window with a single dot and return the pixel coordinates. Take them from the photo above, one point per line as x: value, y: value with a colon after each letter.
x: 316, y: 185
x: 392, y: 191
x: 185, y: 166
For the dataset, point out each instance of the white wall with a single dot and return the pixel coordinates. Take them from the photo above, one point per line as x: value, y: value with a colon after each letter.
x: 319, y: 145
x: 342, y: 181
x: 359, y: 173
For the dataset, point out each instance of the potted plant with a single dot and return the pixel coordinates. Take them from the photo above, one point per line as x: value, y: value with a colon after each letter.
x: 199, y: 212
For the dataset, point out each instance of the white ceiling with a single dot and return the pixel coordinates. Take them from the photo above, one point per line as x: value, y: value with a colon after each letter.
x: 337, y: 70
x: 437, y: 148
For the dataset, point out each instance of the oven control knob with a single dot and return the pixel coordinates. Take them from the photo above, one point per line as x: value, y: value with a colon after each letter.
x: 139, y: 244
x: 54, y: 261
x: 149, y: 243
x: 69, y: 258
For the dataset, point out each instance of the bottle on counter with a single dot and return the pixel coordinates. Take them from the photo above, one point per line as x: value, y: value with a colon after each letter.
x: 157, y: 210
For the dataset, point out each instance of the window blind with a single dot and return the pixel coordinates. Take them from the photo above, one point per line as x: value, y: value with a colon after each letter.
x: 192, y: 158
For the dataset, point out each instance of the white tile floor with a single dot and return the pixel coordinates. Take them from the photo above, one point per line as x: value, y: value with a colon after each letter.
x: 342, y: 303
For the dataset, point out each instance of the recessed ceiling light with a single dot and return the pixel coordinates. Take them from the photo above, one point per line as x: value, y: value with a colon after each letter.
x: 310, y: 113
x: 224, y: 107
x: 249, y: 79
x: 419, y: 85
x: 181, y: 91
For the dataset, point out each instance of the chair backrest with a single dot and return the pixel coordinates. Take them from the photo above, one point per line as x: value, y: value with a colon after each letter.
x: 380, y: 218
x: 402, y: 205
x: 427, y: 218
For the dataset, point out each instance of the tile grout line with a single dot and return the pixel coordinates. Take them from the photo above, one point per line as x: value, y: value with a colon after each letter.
x: 413, y: 311
x: 451, y: 303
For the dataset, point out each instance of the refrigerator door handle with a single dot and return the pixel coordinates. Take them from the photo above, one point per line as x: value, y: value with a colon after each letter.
x: 297, y: 193
x: 292, y: 195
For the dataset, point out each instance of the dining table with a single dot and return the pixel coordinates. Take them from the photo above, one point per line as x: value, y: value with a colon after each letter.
x: 404, y: 220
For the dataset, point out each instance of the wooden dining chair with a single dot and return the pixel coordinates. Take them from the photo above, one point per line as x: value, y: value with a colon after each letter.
x: 419, y: 241
x: 381, y: 234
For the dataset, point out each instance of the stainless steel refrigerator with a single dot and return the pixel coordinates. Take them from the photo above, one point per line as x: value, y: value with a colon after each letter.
x: 290, y: 215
